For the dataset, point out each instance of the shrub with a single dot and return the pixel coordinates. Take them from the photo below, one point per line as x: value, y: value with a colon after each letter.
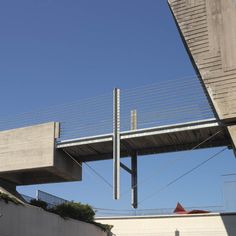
x: 75, y: 211
x: 8, y: 198
x: 39, y: 203
x: 80, y: 212
x: 104, y: 227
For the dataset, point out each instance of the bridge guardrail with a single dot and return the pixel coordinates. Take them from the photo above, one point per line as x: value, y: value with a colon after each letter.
x: 164, y: 103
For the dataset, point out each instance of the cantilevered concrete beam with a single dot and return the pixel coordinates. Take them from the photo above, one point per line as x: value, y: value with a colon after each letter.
x: 208, y: 29
x: 29, y: 156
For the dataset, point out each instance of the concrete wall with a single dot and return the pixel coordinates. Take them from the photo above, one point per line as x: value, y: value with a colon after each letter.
x: 28, y: 156
x: 32, y: 221
x: 209, y: 33
x: 182, y: 225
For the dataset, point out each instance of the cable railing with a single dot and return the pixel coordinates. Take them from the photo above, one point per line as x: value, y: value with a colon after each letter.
x: 153, y: 212
x: 164, y: 103
x: 53, y: 201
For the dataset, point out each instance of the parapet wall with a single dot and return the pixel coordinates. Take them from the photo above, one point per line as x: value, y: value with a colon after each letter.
x: 173, y: 225
x: 24, y: 220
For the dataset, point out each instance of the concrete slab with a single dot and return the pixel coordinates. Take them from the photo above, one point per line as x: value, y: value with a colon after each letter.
x: 28, y: 156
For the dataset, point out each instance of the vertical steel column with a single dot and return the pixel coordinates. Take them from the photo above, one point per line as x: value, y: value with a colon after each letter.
x: 134, y: 181
x: 134, y: 165
x: 116, y: 143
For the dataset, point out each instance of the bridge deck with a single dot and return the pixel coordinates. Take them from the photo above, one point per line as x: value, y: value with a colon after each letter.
x: 160, y: 139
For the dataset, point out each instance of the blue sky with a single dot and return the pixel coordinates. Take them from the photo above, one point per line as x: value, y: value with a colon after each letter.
x: 54, y: 52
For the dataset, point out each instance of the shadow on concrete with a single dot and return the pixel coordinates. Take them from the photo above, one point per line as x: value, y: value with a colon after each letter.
x: 229, y: 221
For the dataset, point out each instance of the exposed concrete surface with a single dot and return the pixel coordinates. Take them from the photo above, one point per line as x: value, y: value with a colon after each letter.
x: 17, y: 220
x: 27, y: 148
x: 209, y: 33
x: 175, y: 225
x: 208, y: 30
x: 232, y: 131
x: 28, y: 156
x: 10, y: 189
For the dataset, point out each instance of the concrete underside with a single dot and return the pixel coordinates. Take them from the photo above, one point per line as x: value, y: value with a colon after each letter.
x: 150, y: 141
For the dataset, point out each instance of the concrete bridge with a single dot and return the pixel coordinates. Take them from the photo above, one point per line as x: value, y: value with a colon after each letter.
x: 187, y: 114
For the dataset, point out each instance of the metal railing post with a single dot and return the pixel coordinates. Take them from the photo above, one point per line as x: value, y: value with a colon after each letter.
x: 133, y: 119
x: 116, y: 143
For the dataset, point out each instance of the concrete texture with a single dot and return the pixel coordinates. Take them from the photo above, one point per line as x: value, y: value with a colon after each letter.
x: 175, y: 225
x: 10, y: 190
x: 28, y: 156
x: 20, y: 220
x: 209, y: 33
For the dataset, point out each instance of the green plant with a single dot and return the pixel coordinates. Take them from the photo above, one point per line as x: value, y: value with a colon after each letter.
x: 104, y: 227
x: 5, y: 197
x: 39, y: 203
x: 74, y: 210
x: 80, y: 212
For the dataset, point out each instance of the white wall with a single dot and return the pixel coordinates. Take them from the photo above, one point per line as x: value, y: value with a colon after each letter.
x: 181, y: 225
x: 19, y: 220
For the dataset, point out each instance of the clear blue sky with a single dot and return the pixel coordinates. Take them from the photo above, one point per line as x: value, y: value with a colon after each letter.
x: 53, y: 52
